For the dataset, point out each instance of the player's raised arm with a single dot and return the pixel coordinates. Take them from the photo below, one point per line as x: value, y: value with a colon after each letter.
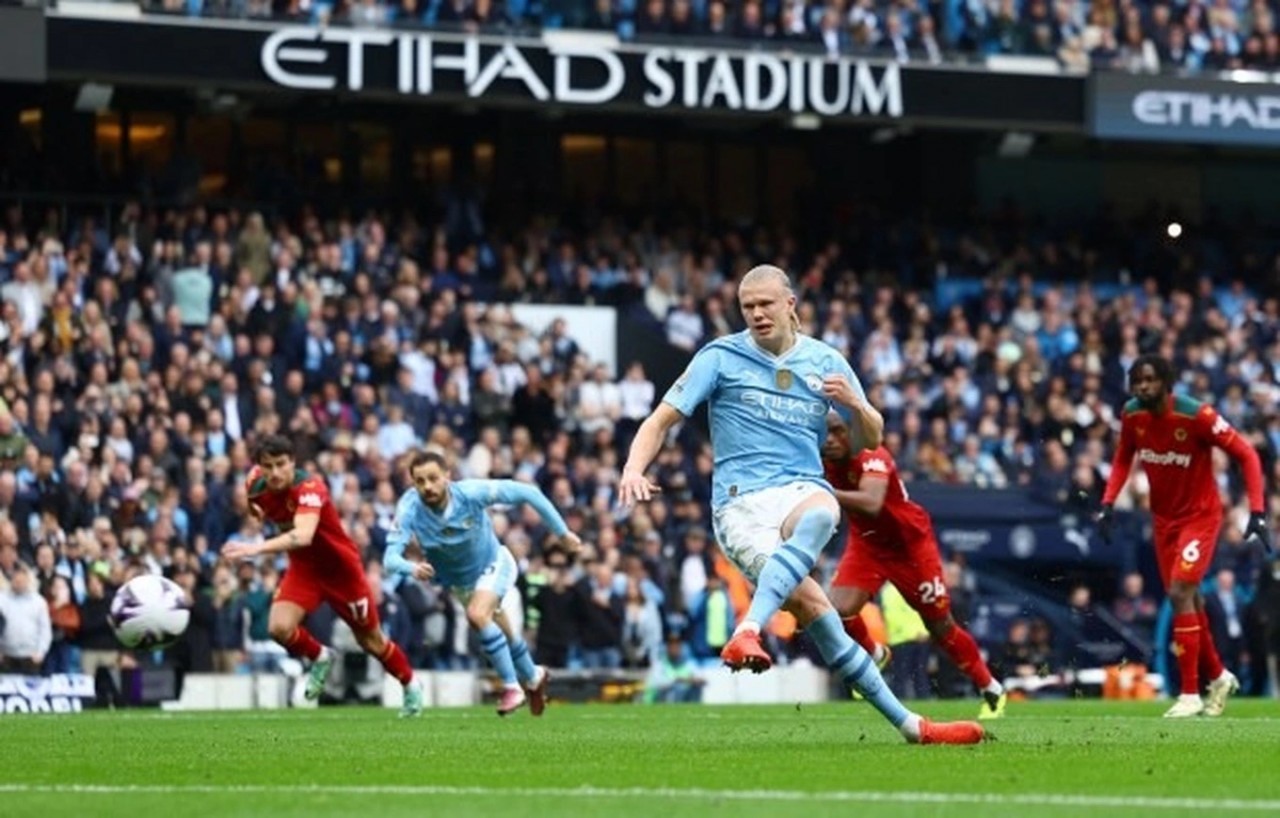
x: 690, y: 389
x: 1215, y: 429
x: 312, y: 495
x: 513, y: 492
x: 866, y: 424
x: 868, y: 498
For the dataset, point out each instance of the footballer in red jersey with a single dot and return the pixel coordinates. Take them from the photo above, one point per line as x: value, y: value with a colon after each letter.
x: 1173, y: 437
x: 891, y: 540
x: 324, y: 566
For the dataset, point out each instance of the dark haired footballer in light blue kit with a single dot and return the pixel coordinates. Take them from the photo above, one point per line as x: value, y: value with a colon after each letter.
x: 451, y: 524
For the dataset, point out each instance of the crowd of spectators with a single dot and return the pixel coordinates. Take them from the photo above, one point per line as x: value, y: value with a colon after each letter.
x: 140, y: 358
x: 1134, y: 35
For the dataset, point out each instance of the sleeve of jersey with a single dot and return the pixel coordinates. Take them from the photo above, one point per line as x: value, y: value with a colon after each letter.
x: 1215, y: 428
x: 512, y: 492
x: 696, y: 384
x: 311, y: 495
x: 1121, y: 465
x: 875, y: 464
x: 398, y: 539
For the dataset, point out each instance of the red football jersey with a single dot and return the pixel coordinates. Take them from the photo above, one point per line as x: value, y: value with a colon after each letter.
x: 1175, y: 449
x: 308, y: 494
x: 901, y: 522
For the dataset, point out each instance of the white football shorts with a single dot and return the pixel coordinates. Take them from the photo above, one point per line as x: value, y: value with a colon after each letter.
x: 749, y: 528
x: 499, y: 577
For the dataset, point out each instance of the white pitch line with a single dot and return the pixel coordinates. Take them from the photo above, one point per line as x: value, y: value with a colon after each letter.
x: 695, y: 794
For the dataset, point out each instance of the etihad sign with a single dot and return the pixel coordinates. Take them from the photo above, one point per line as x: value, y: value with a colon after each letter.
x: 1205, y: 110
x: 581, y: 73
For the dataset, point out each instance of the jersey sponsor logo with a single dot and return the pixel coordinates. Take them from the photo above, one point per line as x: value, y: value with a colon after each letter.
x: 311, y: 499
x: 783, y: 409
x: 1220, y: 426
x: 876, y: 465
x: 1164, y: 458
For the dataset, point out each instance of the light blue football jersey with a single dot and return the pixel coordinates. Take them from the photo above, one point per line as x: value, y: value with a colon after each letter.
x: 768, y: 414
x: 459, y: 542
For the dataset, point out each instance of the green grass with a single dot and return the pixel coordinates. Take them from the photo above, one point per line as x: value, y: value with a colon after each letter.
x: 1084, y: 758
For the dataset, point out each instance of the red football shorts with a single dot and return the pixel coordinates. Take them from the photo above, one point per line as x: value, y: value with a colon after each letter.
x: 343, y: 586
x: 914, y: 569
x: 1185, y: 548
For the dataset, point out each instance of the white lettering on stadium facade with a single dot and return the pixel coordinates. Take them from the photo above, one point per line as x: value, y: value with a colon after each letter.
x: 1202, y: 110
x: 311, y: 59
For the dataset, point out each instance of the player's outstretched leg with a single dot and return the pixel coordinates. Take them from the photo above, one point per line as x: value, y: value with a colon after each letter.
x: 962, y: 649
x: 532, y: 677
x: 857, y: 630
x: 396, y: 663
x: 494, y: 643
x: 1222, y: 682
x: 854, y: 667
x: 1186, y: 647
x: 302, y: 645
x: 787, y: 567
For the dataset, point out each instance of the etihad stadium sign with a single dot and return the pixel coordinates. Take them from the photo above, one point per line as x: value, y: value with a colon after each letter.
x: 557, y: 71
x: 579, y: 73
x: 1160, y: 109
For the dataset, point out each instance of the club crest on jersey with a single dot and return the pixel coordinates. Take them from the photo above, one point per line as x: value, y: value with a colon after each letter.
x: 813, y: 382
x: 1179, y: 434
x: 783, y: 378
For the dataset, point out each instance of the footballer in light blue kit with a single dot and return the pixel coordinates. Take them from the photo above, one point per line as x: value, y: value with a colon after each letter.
x: 450, y: 522
x: 769, y: 390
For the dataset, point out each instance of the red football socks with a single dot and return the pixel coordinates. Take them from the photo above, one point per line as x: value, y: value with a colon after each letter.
x: 959, y: 645
x: 1186, y: 646
x: 303, y: 644
x: 396, y: 663
x: 1210, y: 663
x: 857, y: 630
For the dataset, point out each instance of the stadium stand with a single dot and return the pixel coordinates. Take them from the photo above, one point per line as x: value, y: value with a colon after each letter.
x: 1079, y: 35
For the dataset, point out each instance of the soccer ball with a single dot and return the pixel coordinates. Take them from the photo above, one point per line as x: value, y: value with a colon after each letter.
x: 149, y: 612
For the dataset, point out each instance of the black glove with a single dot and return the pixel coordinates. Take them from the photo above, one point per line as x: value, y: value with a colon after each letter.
x: 1257, y: 527
x: 1103, y: 522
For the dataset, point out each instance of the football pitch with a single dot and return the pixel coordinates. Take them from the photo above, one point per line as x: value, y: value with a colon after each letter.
x: 1083, y: 758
